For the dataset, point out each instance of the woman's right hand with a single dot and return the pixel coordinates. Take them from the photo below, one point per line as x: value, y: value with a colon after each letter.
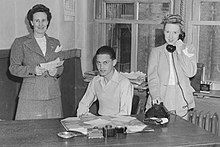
x: 39, y: 70
x: 156, y: 101
x: 52, y: 72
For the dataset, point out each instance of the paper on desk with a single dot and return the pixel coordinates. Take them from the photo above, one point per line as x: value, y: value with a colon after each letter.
x: 134, y: 129
x: 123, y: 118
x: 98, y: 122
x: 73, y: 124
x: 53, y: 64
x: 79, y: 129
x: 77, y: 124
x: 135, y: 126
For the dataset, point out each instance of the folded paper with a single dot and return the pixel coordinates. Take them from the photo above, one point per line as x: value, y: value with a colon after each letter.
x: 53, y: 64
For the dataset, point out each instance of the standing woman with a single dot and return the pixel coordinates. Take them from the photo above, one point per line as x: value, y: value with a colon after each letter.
x: 40, y: 95
x: 169, y: 68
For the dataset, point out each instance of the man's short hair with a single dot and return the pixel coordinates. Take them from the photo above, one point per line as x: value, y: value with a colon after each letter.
x: 106, y: 50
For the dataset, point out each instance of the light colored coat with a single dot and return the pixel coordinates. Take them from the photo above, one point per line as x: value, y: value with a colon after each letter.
x: 158, y: 73
x: 25, y: 56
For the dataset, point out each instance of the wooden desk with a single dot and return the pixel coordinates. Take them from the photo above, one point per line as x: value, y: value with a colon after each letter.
x: 208, y: 94
x: 44, y: 133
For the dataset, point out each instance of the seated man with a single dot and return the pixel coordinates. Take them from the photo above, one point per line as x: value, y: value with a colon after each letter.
x: 113, y: 91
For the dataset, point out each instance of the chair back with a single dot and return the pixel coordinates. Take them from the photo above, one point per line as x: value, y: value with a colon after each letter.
x: 134, y: 109
x: 205, y: 120
x: 135, y: 105
x: 196, y: 80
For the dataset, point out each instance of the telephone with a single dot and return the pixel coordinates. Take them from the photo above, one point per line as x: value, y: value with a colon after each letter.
x: 172, y: 48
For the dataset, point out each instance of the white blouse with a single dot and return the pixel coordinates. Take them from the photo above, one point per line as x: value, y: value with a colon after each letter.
x: 172, y: 75
x: 42, y: 43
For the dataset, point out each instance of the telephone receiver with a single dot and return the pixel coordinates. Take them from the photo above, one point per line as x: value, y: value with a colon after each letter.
x: 172, y: 48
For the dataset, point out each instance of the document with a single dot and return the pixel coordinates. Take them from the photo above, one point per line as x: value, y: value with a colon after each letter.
x: 53, y: 64
x: 98, y: 122
x: 74, y: 124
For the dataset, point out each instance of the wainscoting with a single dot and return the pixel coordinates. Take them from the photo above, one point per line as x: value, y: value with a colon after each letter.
x: 9, y: 88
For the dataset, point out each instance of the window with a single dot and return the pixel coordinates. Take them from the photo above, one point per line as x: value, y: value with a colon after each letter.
x: 132, y: 28
x: 204, y: 28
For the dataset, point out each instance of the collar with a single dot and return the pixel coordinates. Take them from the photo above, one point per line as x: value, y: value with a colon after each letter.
x: 115, y: 77
x: 31, y: 36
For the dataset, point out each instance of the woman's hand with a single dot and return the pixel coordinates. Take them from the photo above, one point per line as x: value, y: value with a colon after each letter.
x: 180, y: 46
x: 39, y: 70
x: 52, y: 72
x: 86, y: 114
x: 156, y: 101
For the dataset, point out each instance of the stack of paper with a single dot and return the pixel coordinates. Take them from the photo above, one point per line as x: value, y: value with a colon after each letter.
x: 136, y: 78
x: 89, y: 75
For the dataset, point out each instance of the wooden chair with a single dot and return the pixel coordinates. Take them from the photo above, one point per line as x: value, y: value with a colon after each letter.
x: 205, y: 120
x: 196, y: 80
x: 135, y: 105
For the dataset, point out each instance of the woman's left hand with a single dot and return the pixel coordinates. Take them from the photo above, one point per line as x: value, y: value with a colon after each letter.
x: 52, y: 72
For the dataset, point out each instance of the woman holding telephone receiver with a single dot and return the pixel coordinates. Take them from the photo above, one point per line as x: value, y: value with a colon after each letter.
x: 169, y: 68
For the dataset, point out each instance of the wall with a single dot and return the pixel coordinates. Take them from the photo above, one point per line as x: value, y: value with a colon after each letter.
x: 72, y: 34
x: 13, y: 23
x: 7, y: 17
x: 67, y: 28
x: 84, y: 32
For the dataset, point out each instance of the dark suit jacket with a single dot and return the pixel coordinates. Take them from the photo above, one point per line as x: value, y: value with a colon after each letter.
x: 25, y: 56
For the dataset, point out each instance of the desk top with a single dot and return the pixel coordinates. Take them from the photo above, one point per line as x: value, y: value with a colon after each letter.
x: 208, y: 94
x: 177, y: 132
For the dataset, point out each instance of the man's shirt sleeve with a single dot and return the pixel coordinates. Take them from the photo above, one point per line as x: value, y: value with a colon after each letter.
x: 87, y: 100
x: 126, y: 97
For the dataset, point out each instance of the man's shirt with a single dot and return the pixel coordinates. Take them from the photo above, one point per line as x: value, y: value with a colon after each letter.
x: 115, y: 97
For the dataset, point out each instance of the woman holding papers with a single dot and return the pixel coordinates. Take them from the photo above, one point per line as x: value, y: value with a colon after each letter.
x: 35, y: 58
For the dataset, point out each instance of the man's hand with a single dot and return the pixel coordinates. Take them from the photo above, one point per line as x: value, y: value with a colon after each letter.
x: 86, y: 114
